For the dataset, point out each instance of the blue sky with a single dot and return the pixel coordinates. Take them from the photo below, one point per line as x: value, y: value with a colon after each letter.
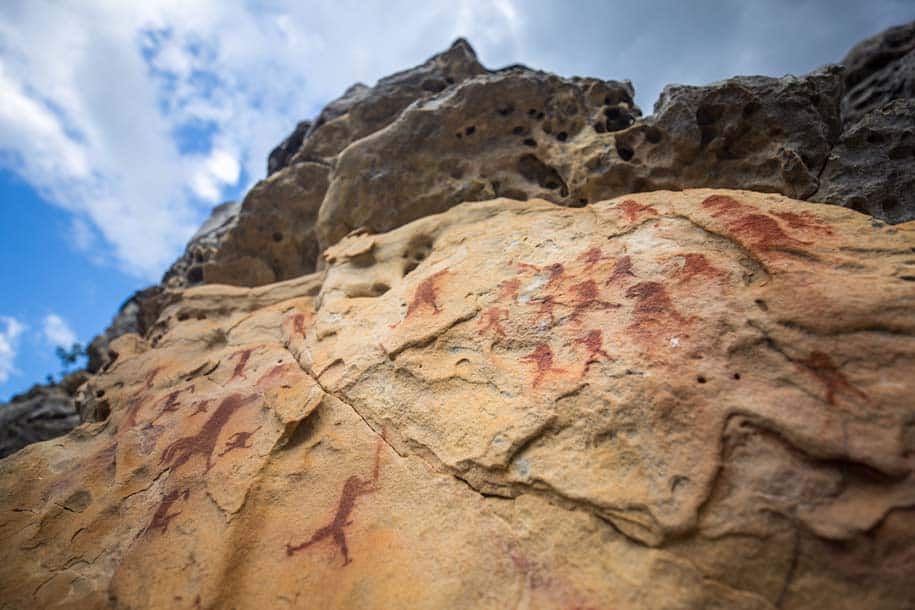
x: 123, y: 123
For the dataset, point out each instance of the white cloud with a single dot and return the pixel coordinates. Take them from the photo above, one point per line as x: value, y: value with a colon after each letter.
x: 100, y: 100
x: 9, y: 345
x: 57, y: 332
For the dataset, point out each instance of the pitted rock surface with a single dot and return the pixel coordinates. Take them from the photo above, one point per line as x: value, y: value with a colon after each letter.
x: 878, y: 70
x: 669, y: 400
x: 871, y: 167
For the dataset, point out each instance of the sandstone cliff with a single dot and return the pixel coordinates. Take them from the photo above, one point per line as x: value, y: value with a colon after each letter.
x: 469, y: 360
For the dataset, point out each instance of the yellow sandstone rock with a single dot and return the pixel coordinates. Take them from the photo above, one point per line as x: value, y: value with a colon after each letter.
x: 700, y: 399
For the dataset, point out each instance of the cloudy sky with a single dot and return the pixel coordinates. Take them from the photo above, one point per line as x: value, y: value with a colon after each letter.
x: 122, y: 123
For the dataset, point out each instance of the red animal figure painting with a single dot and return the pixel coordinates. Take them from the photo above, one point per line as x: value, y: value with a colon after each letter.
x: 298, y: 324
x: 426, y: 295
x: 586, y: 298
x: 239, y: 440
x: 492, y: 321
x: 653, y: 312
x: 805, y: 221
x: 542, y: 359
x: 622, y: 269
x: 825, y: 370
x: 547, y: 303
x: 352, y: 490
x: 171, y: 403
x: 162, y: 517
x: 151, y: 377
x: 695, y: 264
x: 746, y: 222
x: 509, y: 289
x: 243, y: 356
x: 201, y: 406
x: 204, y: 442
x: 592, y: 257
x: 593, y: 342
x: 554, y: 271
x: 633, y: 209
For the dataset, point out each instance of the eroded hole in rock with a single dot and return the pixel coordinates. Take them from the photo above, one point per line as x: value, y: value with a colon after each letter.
x: 891, y: 206
x: 701, y: 379
x: 901, y: 152
x: 195, y: 274
x: 470, y: 130
x: 409, y: 266
x: 750, y: 109
x: 653, y: 135
x: 530, y: 142
x: 417, y: 250
x: 433, y: 85
x: 535, y: 170
x: 379, y: 289
x: 708, y: 114
x: 562, y: 136
x: 102, y: 410
x: 277, y: 236
x: 519, y: 130
x: 877, y: 138
x: 600, y: 128
x: 618, y: 118
x: 624, y: 152
x: 858, y: 204
x: 506, y: 110
x: 363, y: 260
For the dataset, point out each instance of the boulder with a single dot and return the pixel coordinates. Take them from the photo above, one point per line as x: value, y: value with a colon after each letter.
x: 449, y: 131
x: 274, y: 237
x: 364, y: 110
x: 281, y: 155
x: 878, y: 70
x: 696, y: 399
x: 42, y: 413
x: 136, y: 315
x: 202, y: 247
x: 871, y: 167
x: 515, y: 133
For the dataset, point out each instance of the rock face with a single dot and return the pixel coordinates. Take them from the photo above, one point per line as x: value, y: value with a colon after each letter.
x: 450, y: 131
x: 698, y: 399
x: 871, y: 168
x: 203, y: 246
x: 878, y: 70
x: 42, y: 413
x: 430, y: 362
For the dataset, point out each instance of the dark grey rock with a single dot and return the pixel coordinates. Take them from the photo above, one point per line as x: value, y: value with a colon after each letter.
x: 136, y: 315
x: 188, y: 269
x: 878, y: 70
x: 42, y: 413
x: 872, y: 168
x: 282, y: 154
